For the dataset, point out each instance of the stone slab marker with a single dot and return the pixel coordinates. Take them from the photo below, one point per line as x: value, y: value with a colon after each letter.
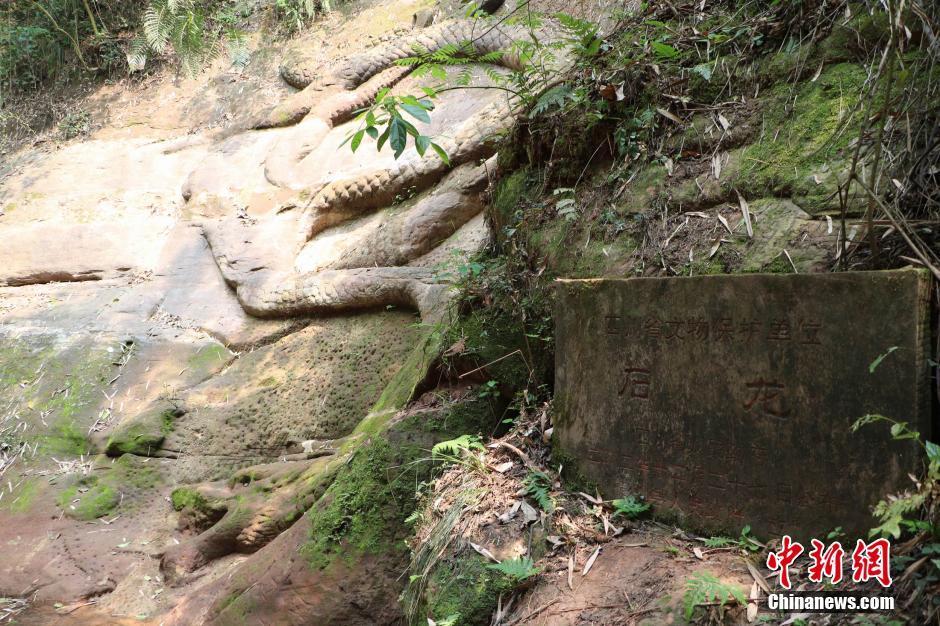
x: 728, y: 400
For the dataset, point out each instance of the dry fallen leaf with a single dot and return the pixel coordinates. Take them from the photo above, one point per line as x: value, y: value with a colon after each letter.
x: 746, y: 212
x: 724, y: 223
x: 758, y: 577
x: 506, y: 517
x: 725, y: 124
x: 716, y: 167
x: 752, y: 607
x: 529, y: 514
x: 714, y: 249
x: 668, y: 115
x: 458, y: 347
x: 502, y: 468
x: 590, y: 561
x: 698, y: 553
x: 590, y: 499
x: 792, y: 264
x: 817, y: 74
x: 484, y: 552
x: 570, y: 572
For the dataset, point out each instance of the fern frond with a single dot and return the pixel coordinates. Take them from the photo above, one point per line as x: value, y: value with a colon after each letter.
x: 157, y: 27
x: 704, y: 587
x: 538, y: 487
x: 517, y: 569
x: 454, y: 447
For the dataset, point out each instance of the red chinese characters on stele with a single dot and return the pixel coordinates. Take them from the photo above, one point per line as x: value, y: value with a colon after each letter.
x: 870, y: 561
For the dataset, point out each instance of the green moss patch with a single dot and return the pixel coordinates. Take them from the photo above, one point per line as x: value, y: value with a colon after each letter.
x: 143, y: 434
x: 88, y: 499
x: 22, y: 498
x: 804, y: 148
x: 466, y: 588
x: 185, y: 497
x: 363, y: 511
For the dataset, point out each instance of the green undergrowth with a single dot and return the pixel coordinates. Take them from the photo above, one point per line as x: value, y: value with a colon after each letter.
x: 466, y: 590
x: 363, y: 511
x: 184, y: 497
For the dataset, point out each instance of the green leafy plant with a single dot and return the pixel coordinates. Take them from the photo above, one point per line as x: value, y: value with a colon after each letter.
x: 465, y: 450
x: 719, y: 542
x: 74, y: 124
x: 385, y: 122
x: 703, y: 588
x: 631, y: 507
x: 874, y: 364
x: 293, y: 15
x: 538, y: 486
x: 518, y: 570
x: 747, y: 541
x: 455, y: 447
x: 901, y: 509
x: 566, y: 205
x: 533, y: 84
x: 913, y: 514
x: 490, y: 389
x: 184, y: 27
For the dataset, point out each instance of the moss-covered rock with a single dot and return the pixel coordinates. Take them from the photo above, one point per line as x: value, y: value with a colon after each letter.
x: 88, y: 499
x: 804, y: 150
x: 143, y: 434
x: 464, y: 589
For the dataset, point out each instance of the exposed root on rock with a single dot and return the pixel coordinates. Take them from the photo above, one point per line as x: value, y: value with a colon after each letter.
x: 244, y: 514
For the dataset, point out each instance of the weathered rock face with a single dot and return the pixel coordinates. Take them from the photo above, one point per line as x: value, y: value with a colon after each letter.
x: 729, y: 400
x: 134, y: 274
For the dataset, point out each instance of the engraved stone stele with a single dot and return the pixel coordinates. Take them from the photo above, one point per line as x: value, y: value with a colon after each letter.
x: 729, y: 400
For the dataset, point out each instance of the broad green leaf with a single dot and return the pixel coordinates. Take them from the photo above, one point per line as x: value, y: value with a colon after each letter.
x: 664, y: 50
x: 933, y: 451
x: 372, y: 131
x: 357, y: 139
x: 441, y: 153
x: 410, y: 128
x: 398, y: 136
x: 383, y: 138
x: 421, y: 144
